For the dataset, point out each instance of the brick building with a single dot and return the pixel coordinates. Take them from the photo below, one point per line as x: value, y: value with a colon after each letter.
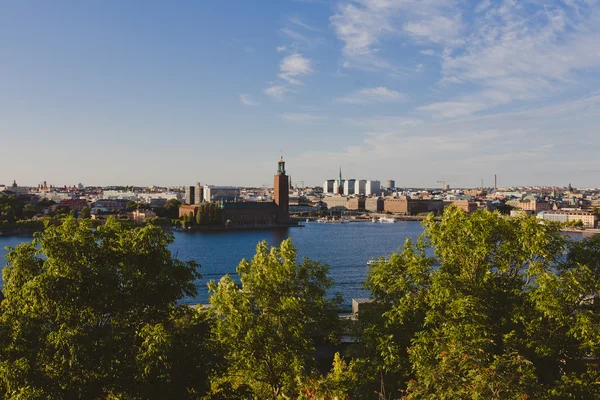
x: 465, y: 205
x: 356, y: 203
x: 408, y: 206
x: 74, y: 204
x: 374, y: 204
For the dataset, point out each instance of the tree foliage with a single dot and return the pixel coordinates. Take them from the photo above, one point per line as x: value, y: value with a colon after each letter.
x: 95, y: 315
x: 484, y: 307
x: 269, y: 323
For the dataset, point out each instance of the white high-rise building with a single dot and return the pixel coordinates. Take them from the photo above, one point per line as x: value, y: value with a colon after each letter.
x: 349, y: 187
x: 362, y: 187
x: 373, y: 188
x: 329, y: 186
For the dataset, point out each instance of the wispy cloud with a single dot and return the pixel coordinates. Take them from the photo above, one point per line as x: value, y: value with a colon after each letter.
x: 247, y: 100
x: 362, y: 25
x: 303, y: 118
x: 280, y: 49
x: 294, y: 66
x: 471, y: 148
x: 277, y: 92
x: 373, y: 95
x: 298, y: 22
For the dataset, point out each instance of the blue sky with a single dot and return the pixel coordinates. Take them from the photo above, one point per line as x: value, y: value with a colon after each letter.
x: 171, y: 93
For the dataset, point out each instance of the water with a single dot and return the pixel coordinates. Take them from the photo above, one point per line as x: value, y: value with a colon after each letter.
x: 346, y: 248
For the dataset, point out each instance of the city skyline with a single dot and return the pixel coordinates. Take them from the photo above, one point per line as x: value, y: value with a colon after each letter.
x: 145, y: 94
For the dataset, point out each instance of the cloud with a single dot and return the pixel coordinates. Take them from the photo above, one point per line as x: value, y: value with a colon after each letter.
x: 302, y: 118
x: 280, y: 49
x: 363, y: 26
x: 373, y: 95
x: 277, y: 92
x: 468, y: 148
x: 523, y: 53
x: 297, y: 21
x: 293, y: 66
x: 427, y: 52
x: 247, y: 100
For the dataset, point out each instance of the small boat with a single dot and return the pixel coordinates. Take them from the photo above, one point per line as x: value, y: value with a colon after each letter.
x: 387, y: 220
x: 374, y: 261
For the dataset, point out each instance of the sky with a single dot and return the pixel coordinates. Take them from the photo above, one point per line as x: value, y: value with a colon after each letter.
x: 148, y: 92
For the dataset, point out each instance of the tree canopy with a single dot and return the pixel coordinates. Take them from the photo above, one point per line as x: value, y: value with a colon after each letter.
x: 268, y: 324
x: 95, y: 315
x: 484, y: 307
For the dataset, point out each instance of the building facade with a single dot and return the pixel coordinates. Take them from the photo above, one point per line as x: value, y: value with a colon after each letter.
x: 374, y: 204
x: 220, y: 193
x: 281, y: 196
x: 408, y: 206
x: 328, y: 186
x: 356, y: 203
x: 373, y: 188
x: 190, y: 195
x: 336, y: 202
x: 349, y: 187
x: 467, y: 206
x: 588, y: 218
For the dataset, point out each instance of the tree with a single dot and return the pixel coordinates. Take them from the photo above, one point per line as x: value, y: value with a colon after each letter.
x: 494, y: 311
x: 85, y: 212
x: 268, y: 324
x: 131, y: 205
x: 95, y: 315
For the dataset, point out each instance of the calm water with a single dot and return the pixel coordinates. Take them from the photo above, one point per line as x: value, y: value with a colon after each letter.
x: 346, y: 248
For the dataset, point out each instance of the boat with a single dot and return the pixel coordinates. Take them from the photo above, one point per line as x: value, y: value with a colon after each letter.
x: 387, y: 220
x: 374, y: 261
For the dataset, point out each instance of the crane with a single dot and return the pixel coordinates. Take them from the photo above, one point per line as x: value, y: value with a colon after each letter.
x: 443, y: 182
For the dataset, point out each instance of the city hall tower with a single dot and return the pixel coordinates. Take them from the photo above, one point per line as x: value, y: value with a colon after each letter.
x: 282, y: 193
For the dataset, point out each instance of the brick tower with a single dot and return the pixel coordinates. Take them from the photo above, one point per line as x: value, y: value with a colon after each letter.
x: 282, y: 193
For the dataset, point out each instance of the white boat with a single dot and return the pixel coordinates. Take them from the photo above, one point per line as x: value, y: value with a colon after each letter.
x: 387, y: 220
x: 374, y: 261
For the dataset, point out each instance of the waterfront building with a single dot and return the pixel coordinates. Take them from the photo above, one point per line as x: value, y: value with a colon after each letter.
x: 588, y: 218
x: 190, y: 195
x: 349, y: 187
x: 373, y: 188
x: 188, y: 209
x: 408, y: 206
x: 374, y: 204
x: 356, y: 203
x: 336, y: 202
x: 251, y: 213
x: 281, y: 195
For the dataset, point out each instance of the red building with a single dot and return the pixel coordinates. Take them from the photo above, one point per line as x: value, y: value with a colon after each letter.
x: 282, y: 193
x: 74, y: 204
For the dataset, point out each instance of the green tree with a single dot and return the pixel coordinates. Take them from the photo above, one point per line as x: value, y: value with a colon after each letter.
x: 268, y: 324
x: 95, y: 315
x: 131, y: 205
x: 495, y: 311
x: 85, y: 212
